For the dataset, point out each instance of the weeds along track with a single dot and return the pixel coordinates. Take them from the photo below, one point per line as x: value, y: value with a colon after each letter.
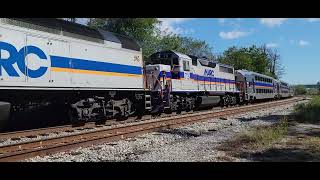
x: 98, y: 135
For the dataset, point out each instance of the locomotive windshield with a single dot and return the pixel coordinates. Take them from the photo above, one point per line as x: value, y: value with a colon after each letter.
x: 166, y: 61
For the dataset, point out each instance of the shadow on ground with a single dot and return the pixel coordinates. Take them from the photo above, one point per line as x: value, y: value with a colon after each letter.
x: 283, y: 155
x: 265, y: 118
x: 182, y: 132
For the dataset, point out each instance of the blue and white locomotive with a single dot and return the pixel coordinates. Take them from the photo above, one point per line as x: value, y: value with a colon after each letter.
x: 92, y: 73
x: 185, y: 82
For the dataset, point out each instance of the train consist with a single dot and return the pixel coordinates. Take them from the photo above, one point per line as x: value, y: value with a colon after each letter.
x: 94, y: 74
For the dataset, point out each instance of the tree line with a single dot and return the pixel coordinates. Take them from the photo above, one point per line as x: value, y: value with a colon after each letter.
x: 147, y: 33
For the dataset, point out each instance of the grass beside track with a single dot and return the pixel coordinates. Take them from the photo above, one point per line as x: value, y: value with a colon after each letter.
x: 293, y: 138
x: 265, y: 136
x: 256, y: 138
x: 309, y: 112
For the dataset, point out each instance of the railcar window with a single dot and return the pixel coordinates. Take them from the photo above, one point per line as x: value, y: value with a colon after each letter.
x: 186, y: 66
x: 212, y: 64
x: 175, y: 61
x: 160, y: 61
x: 194, y: 62
x: 226, y: 69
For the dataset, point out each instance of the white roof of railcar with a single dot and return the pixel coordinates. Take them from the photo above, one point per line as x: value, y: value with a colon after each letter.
x: 246, y: 72
x: 181, y: 55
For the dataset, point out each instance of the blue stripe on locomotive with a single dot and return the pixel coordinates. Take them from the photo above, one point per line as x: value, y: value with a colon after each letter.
x: 91, y: 65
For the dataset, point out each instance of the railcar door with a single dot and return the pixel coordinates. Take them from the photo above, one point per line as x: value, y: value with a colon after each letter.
x: 38, y: 60
x: 187, y: 82
x: 60, y: 63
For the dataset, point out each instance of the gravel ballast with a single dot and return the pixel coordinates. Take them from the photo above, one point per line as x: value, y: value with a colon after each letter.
x: 196, y: 142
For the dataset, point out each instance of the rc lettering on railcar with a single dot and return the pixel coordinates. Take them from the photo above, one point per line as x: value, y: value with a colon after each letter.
x: 19, y: 57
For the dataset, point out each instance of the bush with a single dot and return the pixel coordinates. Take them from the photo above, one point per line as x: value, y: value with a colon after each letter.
x: 309, y: 112
x: 300, y: 90
x: 264, y: 136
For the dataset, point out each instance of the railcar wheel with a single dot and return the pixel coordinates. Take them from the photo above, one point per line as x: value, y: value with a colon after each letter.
x: 73, y: 119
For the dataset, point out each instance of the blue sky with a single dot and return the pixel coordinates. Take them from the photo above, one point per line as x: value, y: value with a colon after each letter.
x: 297, y: 40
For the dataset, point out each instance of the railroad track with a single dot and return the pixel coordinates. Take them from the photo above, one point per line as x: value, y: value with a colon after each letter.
x: 34, y: 133
x: 23, y: 150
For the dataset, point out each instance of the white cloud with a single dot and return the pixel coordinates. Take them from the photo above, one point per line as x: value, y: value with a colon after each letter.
x: 167, y: 26
x: 271, y: 22
x: 271, y: 45
x: 313, y: 19
x: 232, y: 34
x: 303, y: 43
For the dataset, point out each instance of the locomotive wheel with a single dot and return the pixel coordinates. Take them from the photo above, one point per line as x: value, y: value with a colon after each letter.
x: 72, y: 116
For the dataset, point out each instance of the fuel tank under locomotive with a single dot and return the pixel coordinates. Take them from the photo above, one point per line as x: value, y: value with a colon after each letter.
x: 4, y: 113
x: 207, y: 101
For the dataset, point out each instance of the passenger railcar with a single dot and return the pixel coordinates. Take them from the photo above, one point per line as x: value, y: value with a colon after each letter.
x: 285, y: 90
x: 256, y: 85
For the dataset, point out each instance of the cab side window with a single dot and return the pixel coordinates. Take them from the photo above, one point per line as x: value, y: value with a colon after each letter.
x: 186, y: 66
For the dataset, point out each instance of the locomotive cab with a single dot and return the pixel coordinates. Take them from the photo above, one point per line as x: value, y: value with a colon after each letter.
x: 171, y: 59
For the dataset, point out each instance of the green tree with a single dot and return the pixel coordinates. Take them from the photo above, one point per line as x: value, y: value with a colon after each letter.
x: 259, y: 59
x: 143, y: 30
x: 97, y: 22
x: 239, y: 58
x: 253, y: 58
x: 147, y: 33
x: 196, y: 47
x: 300, y: 90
